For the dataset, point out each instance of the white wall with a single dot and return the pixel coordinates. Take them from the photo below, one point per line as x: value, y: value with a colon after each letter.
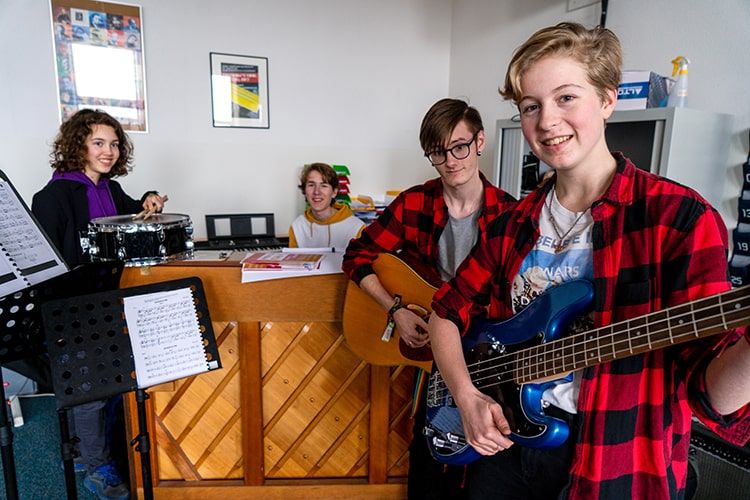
x: 349, y: 82
x: 713, y: 35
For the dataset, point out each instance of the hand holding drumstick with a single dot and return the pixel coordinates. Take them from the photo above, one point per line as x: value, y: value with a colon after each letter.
x: 153, y: 203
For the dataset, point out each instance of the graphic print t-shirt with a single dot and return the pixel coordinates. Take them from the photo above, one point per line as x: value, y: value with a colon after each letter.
x: 543, y: 267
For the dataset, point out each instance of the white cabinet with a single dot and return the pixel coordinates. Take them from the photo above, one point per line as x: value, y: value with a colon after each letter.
x: 687, y: 145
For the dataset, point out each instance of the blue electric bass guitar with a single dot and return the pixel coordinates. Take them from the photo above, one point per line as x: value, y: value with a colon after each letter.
x: 515, y: 361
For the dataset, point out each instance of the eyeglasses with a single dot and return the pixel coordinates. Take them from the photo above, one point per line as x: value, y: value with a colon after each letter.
x: 459, y: 152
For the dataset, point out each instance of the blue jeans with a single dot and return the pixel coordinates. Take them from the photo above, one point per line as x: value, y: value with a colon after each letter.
x: 90, y: 425
x: 428, y: 478
x: 524, y: 473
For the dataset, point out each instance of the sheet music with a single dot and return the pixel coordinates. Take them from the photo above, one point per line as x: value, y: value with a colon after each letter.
x: 24, y: 244
x: 165, y: 336
x: 8, y: 278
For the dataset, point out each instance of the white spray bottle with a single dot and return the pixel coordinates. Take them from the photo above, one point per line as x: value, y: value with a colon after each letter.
x: 679, y: 95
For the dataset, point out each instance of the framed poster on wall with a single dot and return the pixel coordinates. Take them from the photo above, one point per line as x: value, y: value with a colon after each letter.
x: 239, y: 91
x: 99, y: 60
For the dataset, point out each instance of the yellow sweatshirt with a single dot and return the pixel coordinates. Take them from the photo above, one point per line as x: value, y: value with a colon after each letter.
x: 308, y: 232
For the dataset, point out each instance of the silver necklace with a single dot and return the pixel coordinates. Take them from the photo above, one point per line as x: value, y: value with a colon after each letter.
x: 560, y: 235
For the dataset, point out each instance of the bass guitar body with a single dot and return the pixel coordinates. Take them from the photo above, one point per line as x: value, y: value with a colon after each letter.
x: 489, y: 349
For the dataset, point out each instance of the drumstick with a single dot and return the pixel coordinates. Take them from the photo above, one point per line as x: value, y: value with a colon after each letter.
x: 151, y: 212
x: 147, y: 212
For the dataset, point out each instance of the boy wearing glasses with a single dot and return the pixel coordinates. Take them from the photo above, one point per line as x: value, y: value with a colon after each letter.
x: 435, y: 223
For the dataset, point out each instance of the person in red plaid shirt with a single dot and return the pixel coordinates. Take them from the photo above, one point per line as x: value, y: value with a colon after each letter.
x: 646, y: 243
x: 435, y: 223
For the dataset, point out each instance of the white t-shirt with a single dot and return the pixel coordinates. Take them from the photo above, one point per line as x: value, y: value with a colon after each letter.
x: 545, y: 266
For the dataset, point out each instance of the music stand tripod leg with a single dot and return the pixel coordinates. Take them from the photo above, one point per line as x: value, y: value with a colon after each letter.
x: 6, y: 445
x: 142, y: 444
x: 66, y: 450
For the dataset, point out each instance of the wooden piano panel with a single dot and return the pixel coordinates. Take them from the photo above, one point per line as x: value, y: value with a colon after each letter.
x: 314, y: 390
x: 198, y: 422
x: 313, y: 418
x: 399, y: 419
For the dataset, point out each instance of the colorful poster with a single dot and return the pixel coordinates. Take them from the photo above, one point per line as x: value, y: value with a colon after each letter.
x: 239, y: 88
x: 245, y: 94
x: 99, y: 60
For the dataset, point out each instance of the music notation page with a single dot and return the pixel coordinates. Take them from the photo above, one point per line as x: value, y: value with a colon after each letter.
x: 7, y: 278
x: 26, y: 252
x: 165, y: 337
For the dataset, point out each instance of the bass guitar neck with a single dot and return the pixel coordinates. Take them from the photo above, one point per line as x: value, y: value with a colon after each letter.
x: 516, y: 360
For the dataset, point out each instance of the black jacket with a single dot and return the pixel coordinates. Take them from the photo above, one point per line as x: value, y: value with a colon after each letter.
x: 62, y: 209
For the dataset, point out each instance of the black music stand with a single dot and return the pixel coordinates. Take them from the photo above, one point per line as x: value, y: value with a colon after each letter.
x: 91, y: 355
x: 6, y: 445
x: 23, y: 339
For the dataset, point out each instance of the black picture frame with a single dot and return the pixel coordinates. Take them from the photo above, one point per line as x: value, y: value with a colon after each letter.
x: 239, y: 91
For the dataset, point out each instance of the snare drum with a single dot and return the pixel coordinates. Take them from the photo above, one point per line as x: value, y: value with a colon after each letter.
x: 159, y: 238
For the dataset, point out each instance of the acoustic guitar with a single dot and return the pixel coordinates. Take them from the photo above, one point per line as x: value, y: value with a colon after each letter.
x: 365, y: 319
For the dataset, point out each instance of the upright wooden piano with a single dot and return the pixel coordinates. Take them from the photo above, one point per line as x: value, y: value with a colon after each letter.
x: 293, y: 413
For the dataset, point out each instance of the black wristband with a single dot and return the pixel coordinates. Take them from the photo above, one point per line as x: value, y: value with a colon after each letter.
x: 395, y: 307
x: 391, y: 323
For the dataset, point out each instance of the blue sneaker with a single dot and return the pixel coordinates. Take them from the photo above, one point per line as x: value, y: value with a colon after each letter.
x: 78, y: 465
x: 106, y: 484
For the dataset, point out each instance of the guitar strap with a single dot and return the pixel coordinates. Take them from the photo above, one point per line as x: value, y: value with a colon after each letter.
x: 420, y: 383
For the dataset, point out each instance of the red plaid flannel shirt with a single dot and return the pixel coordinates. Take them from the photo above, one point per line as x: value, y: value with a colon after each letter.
x: 656, y: 244
x: 412, y: 224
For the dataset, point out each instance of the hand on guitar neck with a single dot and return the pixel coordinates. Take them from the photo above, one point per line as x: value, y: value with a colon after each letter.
x: 516, y: 360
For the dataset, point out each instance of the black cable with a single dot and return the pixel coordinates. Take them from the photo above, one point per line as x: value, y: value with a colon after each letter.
x: 603, y: 18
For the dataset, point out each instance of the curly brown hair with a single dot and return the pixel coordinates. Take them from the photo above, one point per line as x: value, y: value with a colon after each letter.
x: 69, y: 150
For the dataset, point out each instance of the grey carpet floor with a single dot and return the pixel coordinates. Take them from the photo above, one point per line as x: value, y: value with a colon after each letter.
x: 36, y: 447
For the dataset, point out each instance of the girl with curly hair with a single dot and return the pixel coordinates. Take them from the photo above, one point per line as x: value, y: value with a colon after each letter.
x: 90, y: 149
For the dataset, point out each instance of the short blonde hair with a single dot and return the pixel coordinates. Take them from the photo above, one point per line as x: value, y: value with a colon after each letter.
x: 597, y: 49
